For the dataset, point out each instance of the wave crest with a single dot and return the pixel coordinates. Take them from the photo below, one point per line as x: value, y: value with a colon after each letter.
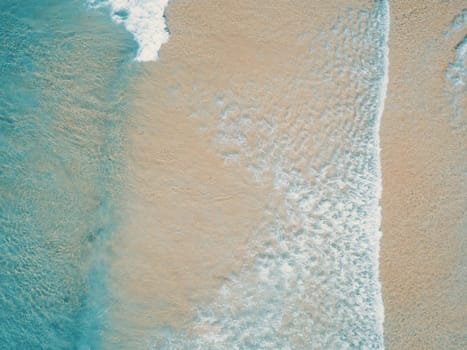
x: 144, y: 19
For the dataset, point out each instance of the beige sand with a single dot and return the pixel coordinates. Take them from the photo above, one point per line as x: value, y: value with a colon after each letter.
x: 175, y: 171
x: 423, y: 164
x: 190, y: 214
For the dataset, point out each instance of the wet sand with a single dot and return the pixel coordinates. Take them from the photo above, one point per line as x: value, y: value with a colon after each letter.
x: 423, y: 245
x: 182, y: 189
x: 190, y: 213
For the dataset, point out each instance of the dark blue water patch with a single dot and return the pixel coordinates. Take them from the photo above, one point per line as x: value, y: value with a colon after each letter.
x: 123, y: 14
x: 64, y: 75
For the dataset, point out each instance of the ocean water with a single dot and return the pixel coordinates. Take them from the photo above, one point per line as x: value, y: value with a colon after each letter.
x: 311, y: 281
x: 64, y: 84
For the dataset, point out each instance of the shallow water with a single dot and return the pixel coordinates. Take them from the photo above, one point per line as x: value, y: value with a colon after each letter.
x: 63, y: 84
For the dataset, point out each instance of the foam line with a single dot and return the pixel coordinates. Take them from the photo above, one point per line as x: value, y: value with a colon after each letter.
x: 382, y: 98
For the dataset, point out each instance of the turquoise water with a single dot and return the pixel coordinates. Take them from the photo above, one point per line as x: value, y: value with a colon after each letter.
x: 64, y: 75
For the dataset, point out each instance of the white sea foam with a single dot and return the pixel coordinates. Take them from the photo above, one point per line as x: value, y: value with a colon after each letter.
x: 144, y: 19
x: 382, y: 98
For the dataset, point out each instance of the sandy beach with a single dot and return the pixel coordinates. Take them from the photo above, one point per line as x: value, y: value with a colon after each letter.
x: 423, y: 203
x: 182, y: 183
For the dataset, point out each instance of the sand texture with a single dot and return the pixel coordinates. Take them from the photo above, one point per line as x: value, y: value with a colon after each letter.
x: 423, y: 249
x: 192, y: 210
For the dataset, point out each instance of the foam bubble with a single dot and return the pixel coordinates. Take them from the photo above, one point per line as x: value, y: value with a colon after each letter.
x: 144, y: 19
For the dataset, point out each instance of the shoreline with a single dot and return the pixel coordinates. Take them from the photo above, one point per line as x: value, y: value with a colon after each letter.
x: 181, y: 161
